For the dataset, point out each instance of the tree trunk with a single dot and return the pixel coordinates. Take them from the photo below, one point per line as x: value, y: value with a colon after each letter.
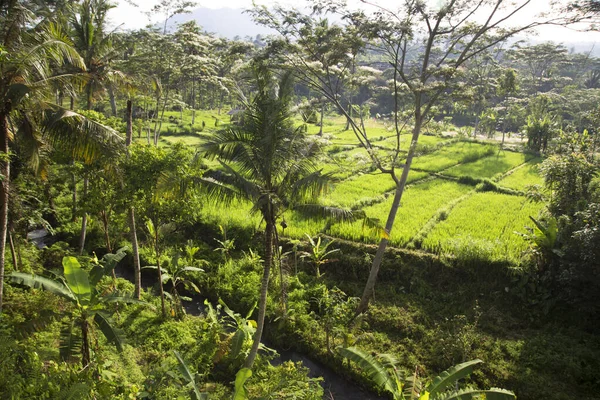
x: 86, y: 183
x: 264, y: 288
x: 106, y: 234
x: 12, y: 251
x: 74, y: 195
x: 162, y: 113
x: 129, y: 118
x: 85, y: 343
x: 156, y: 128
x: 113, y: 101
x: 104, y: 214
x: 89, y: 97
x: 221, y: 96
x: 282, y: 284
x: 322, y: 113
x: 193, y: 101
x: 48, y: 194
x: 160, y: 283
x: 131, y: 220
x: 400, y: 185
x: 136, y: 254
x: 4, y: 190
x: 504, y: 123
x: 349, y: 117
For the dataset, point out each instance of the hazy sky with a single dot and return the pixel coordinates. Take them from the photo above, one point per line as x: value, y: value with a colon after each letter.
x: 134, y: 18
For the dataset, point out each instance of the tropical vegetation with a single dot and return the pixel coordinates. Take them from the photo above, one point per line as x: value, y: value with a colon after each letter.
x: 372, y: 207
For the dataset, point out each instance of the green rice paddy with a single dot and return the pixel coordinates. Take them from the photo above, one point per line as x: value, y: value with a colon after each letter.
x: 458, y: 220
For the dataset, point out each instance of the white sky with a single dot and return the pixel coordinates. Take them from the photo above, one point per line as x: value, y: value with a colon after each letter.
x: 130, y: 17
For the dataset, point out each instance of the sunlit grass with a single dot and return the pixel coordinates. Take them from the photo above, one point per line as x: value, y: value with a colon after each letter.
x: 484, y: 225
x: 482, y: 222
x: 365, y: 187
x: 526, y: 175
x: 451, y: 155
x: 420, y: 202
x: 235, y: 214
x: 193, y: 141
x: 424, y: 141
x: 489, y: 166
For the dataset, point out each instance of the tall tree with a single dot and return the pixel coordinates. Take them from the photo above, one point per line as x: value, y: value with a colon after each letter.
x: 95, y: 45
x: 269, y: 162
x: 426, y: 44
x: 29, y: 49
x: 170, y: 8
x: 507, y: 87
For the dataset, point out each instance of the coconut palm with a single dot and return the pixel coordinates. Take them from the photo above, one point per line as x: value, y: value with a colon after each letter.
x: 95, y: 46
x: 30, y: 51
x: 271, y: 163
x: 90, y: 305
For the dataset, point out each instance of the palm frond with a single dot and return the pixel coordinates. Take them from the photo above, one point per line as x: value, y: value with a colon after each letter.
x: 31, y: 144
x: 39, y: 282
x: 308, y: 187
x: 70, y: 341
x: 470, y: 394
x: 373, y: 368
x: 110, y: 330
x: 371, y: 223
x: 244, y: 187
x: 328, y: 212
x: 86, y: 139
x: 451, y: 375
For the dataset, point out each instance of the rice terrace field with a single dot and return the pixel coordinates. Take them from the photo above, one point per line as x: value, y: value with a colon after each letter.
x: 446, y: 208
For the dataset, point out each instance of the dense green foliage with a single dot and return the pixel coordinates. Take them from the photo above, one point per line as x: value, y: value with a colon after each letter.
x: 255, y: 229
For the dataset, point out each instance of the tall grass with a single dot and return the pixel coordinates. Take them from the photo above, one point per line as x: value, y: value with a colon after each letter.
x: 451, y: 155
x: 490, y: 166
x: 420, y: 202
x: 484, y: 225
x: 524, y: 176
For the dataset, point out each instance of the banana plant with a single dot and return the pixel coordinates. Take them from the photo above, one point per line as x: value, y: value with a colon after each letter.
x: 244, y: 329
x: 382, y: 370
x: 90, y: 310
x: 174, y: 273
x: 189, y: 378
x: 319, y: 253
x: 543, y: 240
x: 240, y: 379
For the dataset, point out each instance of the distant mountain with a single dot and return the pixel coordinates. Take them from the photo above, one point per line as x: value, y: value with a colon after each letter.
x: 225, y: 22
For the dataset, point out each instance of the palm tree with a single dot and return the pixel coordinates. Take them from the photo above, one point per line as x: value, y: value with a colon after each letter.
x: 269, y: 162
x: 29, y: 50
x: 95, y: 46
x: 79, y: 288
